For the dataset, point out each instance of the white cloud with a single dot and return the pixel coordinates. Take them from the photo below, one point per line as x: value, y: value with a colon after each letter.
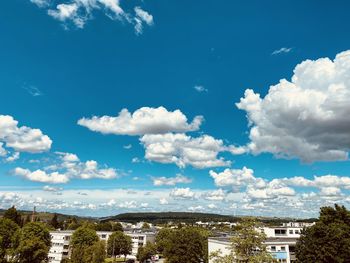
x: 163, y: 201
x: 200, y: 88
x: 145, y: 120
x: 48, y: 188
x: 212, y: 206
x: 236, y: 178
x: 67, y: 167
x: 216, y: 195
x: 127, y: 147
x: 128, y: 204
x: 42, y: 176
x: 330, y: 191
x: 13, y: 157
x: 78, y: 12
x: 196, y: 208
x: 3, y: 152
x: 141, y: 17
x: 32, y: 90
x: 22, y: 139
x: 282, y: 50
x: 135, y: 160
x: 171, y: 181
x: 306, y: 117
x: 40, y: 3
x: 182, y: 193
x: 181, y: 149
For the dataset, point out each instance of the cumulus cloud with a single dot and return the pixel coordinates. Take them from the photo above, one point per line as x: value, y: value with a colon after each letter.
x: 145, y: 120
x: 305, y: 118
x: 67, y: 167
x: 182, y: 193
x: 171, y: 181
x: 216, y: 195
x: 21, y: 138
x: 236, y: 178
x: 42, y: 176
x: 181, y: 149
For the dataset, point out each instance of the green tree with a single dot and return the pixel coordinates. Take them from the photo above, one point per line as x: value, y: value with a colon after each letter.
x: 185, y: 245
x: 8, y: 229
x: 13, y: 215
x: 54, y: 221
x: 104, y: 226
x: 117, y: 227
x: 82, y: 240
x: 146, y: 252
x: 328, y: 240
x: 95, y: 253
x: 162, y: 239
x: 119, y: 244
x: 32, y: 243
x: 247, y: 245
x: 146, y: 226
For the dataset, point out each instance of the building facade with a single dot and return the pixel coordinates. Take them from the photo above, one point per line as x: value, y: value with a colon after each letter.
x: 280, y: 242
x: 60, y: 241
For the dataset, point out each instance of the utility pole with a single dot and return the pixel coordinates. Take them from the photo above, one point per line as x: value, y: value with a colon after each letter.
x: 113, y: 251
x: 33, y: 215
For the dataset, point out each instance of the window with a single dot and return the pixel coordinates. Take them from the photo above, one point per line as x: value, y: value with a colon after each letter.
x: 291, y: 231
x: 273, y: 248
x: 283, y: 248
x: 279, y: 232
x: 296, y: 231
x: 103, y: 236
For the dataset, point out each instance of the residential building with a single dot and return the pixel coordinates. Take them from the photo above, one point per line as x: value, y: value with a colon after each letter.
x: 60, y: 240
x: 280, y: 242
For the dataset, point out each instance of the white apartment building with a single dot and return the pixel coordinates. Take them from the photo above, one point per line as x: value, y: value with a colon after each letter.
x: 280, y: 242
x: 60, y: 242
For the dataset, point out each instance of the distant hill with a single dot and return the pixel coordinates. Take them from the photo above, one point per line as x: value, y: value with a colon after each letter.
x: 164, y: 217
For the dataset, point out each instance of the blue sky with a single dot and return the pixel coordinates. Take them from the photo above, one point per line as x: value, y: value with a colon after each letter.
x: 184, y: 65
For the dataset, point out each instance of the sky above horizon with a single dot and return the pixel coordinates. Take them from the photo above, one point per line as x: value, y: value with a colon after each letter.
x: 231, y: 107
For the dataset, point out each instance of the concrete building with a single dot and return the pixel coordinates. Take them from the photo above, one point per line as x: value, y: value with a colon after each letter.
x: 280, y: 242
x: 60, y: 240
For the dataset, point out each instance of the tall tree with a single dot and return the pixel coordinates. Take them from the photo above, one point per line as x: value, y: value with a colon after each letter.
x: 247, y: 245
x: 54, y: 221
x: 146, y: 252
x: 163, y: 238
x: 119, y: 244
x: 95, y: 253
x: 117, y: 227
x: 8, y: 229
x: 328, y: 240
x: 185, y: 245
x: 13, y: 215
x: 32, y: 243
x: 82, y: 240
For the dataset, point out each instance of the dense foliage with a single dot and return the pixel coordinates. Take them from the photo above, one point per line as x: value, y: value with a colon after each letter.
x: 187, y: 244
x: 328, y: 240
x: 247, y: 245
x: 32, y: 243
x: 119, y: 244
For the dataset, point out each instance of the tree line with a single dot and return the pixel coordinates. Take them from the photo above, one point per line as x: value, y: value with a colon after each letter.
x: 23, y: 241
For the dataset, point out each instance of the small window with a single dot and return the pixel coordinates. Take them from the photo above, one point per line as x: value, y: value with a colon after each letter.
x: 283, y: 248
x: 273, y: 248
x: 290, y: 231
x: 296, y: 231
